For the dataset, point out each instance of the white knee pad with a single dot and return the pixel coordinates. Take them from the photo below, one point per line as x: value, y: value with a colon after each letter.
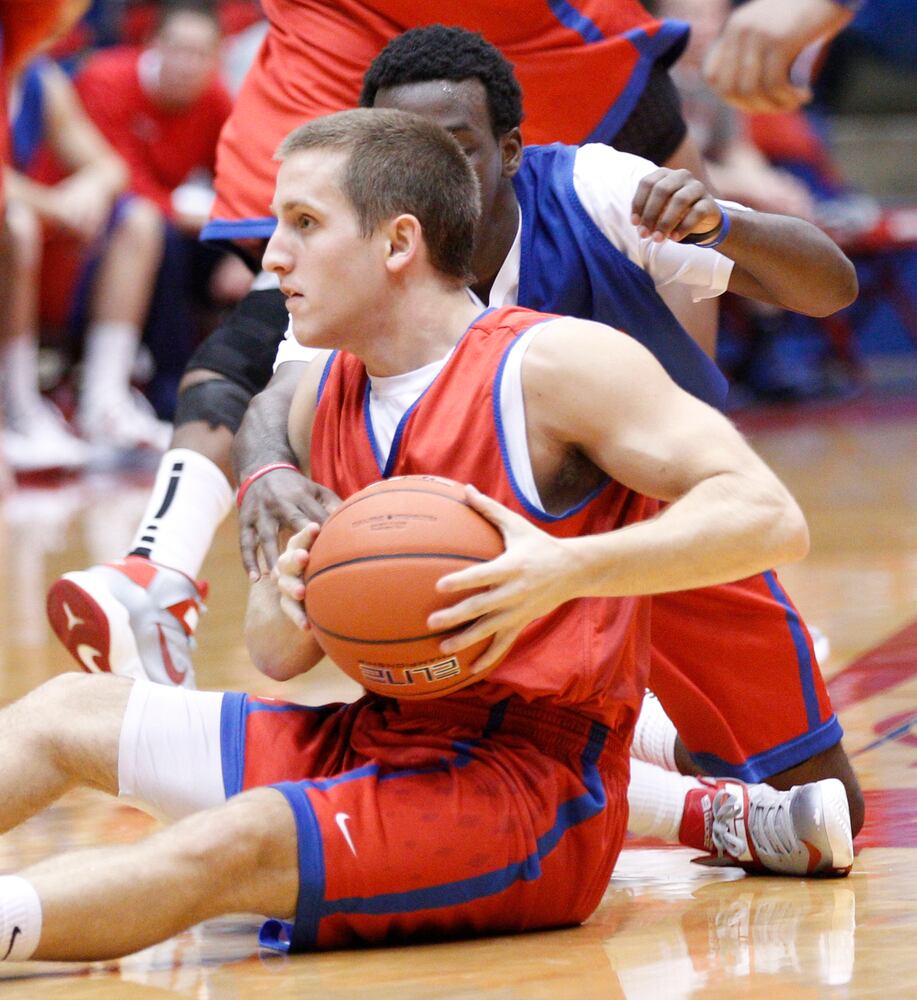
x: 169, y: 756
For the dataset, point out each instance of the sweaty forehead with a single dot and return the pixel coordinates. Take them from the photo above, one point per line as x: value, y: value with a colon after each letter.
x: 453, y: 104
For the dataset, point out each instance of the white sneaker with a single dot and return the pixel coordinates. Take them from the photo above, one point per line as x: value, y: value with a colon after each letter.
x: 802, y: 831
x: 125, y: 423
x: 43, y: 440
x: 130, y: 617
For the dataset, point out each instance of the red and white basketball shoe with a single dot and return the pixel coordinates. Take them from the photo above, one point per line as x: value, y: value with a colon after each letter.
x: 802, y: 831
x: 131, y: 617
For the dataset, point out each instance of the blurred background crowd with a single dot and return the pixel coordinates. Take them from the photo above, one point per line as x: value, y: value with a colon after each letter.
x: 105, y: 289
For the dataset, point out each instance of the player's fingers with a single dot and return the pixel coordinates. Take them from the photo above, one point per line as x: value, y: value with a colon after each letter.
x: 679, y: 205
x: 471, y: 609
x: 486, y: 574
x: 501, y: 645
x: 644, y: 188
x: 662, y: 192
x: 506, y: 520
x: 700, y: 218
x: 295, y: 611
x: 268, y: 530
x: 248, y: 546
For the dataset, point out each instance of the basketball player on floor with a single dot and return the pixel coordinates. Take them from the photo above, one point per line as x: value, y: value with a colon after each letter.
x: 605, y: 282
x: 356, y: 840
x: 311, y: 63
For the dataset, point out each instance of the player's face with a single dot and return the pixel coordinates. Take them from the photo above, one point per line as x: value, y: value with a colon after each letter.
x: 332, y: 275
x: 188, y: 47
x: 460, y: 108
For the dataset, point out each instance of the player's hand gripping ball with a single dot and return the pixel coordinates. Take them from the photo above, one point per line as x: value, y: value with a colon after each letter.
x: 371, y: 584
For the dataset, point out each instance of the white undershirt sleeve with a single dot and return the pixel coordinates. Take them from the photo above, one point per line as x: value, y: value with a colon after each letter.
x: 605, y: 181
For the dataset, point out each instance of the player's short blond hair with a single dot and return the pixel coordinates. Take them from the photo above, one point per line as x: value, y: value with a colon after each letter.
x: 401, y: 163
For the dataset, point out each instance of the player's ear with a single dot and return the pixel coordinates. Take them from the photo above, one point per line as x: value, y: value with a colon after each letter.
x: 404, y: 236
x: 511, y: 151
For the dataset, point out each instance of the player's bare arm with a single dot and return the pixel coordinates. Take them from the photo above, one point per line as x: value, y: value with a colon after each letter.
x: 778, y: 259
x: 610, y: 401
x: 280, y: 643
x: 284, y: 501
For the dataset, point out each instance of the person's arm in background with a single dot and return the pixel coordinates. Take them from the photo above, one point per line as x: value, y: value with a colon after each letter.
x: 82, y: 201
x: 750, y: 63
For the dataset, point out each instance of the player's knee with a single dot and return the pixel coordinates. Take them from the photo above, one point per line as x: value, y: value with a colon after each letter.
x: 142, y: 223
x: 206, y: 397
x: 238, y: 847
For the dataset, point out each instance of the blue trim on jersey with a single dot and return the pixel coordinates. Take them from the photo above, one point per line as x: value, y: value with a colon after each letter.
x: 227, y: 229
x: 325, y: 373
x: 529, y: 508
x: 571, y: 18
x: 304, y: 933
x: 803, y: 655
x: 232, y: 741
x: 252, y: 707
x: 761, y: 766
x: 666, y: 45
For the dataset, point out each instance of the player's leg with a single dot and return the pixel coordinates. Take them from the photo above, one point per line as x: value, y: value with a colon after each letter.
x: 122, y: 288
x: 36, y: 436
x: 64, y: 733
x: 137, y: 616
x: 111, y: 901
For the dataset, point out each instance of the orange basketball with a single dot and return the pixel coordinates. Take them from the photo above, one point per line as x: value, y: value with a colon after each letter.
x: 371, y: 580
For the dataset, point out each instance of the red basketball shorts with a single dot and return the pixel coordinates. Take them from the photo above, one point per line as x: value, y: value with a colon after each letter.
x: 435, y: 820
x: 734, y: 668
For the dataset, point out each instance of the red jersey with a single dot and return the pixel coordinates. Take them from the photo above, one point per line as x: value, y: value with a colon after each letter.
x: 581, y: 70
x: 160, y: 146
x: 590, y: 654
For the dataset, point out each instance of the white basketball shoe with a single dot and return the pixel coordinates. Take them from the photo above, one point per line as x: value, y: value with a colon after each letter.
x: 131, y: 617
x: 802, y: 831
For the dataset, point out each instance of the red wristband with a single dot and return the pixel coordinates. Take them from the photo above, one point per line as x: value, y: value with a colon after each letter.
x: 257, y: 474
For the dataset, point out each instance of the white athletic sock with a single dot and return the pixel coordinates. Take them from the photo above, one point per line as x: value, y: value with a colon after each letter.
x: 20, y: 919
x: 190, y: 498
x: 19, y: 371
x: 108, y: 360
x: 654, y: 735
x: 656, y: 799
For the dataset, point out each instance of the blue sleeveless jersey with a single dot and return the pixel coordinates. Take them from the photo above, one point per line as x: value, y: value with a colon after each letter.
x: 569, y: 266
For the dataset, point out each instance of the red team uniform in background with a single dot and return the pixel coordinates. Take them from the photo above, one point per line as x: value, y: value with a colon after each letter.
x: 161, y: 147
x: 469, y: 813
x: 581, y: 70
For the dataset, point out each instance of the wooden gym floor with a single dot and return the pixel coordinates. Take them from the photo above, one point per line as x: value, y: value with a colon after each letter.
x: 667, y: 929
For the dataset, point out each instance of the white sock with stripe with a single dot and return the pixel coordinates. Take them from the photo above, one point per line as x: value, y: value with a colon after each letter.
x: 189, y: 500
x: 20, y: 919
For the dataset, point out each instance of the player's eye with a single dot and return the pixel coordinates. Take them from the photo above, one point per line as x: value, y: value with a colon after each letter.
x: 305, y: 222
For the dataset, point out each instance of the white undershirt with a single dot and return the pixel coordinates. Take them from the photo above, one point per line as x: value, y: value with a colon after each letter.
x: 392, y: 396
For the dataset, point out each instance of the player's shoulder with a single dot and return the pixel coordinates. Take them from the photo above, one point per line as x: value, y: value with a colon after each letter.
x: 562, y: 344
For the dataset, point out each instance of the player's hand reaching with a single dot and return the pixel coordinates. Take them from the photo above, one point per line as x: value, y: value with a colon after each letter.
x: 751, y: 64
x: 274, y: 506
x: 531, y: 578
x: 672, y: 204
x: 289, y: 574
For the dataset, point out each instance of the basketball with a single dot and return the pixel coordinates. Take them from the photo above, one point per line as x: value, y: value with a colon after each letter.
x: 371, y: 584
